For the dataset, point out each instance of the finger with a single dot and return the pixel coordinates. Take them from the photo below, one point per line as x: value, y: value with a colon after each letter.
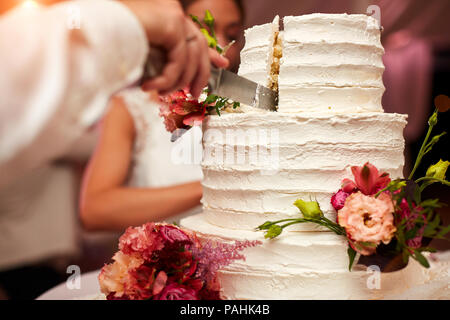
x: 171, y: 72
x: 217, y: 59
x: 204, y: 69
x: 193, y: 52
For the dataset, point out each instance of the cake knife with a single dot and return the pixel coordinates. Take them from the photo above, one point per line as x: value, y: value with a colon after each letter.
x: 222, y: 83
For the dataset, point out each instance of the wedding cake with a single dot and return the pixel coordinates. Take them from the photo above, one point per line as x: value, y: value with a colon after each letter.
x: 328, y: 71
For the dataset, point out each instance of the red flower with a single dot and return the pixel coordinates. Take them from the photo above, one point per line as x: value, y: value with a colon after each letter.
x: 367, y: 179
x: 180, y: 111
x: 173, y: 234
x: 176, y: 291
x: 338, y: 199
x: 142, y: 282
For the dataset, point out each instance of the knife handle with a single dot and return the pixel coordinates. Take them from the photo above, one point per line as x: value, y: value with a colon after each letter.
x: 156, y: 60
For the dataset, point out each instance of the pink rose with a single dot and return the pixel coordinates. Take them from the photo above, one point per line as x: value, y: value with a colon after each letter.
x: 338, y: 199
x: 176, y: 291
x: 368, y: 221
x: 173, y: 234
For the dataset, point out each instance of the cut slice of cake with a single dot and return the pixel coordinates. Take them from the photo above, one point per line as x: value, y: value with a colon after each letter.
x: 258, y: 53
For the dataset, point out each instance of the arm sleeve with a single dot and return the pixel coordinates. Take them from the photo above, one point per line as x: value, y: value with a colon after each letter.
x: 58, y: 68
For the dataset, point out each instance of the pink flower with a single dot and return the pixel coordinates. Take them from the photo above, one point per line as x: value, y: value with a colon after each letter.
x: 115, y: 277
x: 213, y: 255
x: 172, y: 121
x: 143, y: 240
x: 368, y: 180
x: 338, y: 199
x: 176, y: 291
x: 160, y: 283
x: 368, y: 220
x: 411, y: 217
x: 181, y: 111
x: 173, y: 234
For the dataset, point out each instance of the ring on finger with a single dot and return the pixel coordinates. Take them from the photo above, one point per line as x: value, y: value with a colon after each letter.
x: 191, y: 38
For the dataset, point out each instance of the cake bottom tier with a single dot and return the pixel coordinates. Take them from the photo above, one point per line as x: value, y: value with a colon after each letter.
x: 314, y: 265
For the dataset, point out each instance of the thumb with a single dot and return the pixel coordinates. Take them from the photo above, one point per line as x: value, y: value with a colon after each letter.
x: 218, y: 60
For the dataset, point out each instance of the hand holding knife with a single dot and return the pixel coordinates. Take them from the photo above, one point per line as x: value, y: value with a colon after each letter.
x: 221, y: 83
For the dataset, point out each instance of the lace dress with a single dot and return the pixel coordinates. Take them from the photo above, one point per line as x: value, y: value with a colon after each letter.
x: 156, y: 161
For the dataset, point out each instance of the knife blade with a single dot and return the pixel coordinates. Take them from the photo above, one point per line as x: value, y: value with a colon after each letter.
x: 229, y: 85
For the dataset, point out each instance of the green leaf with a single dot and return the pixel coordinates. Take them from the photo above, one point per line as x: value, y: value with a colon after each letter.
x: 266, y: 225
x: 212, y: 43
x: 196, y: 20
x: 209, y: 19
x: 217, y: 109
x: 236, y: 105
x: 273, y: 231
x: 210, y: 99
x: 427, y: 249
x: 351, y: 256
x: 411, y: 234
x: 443, y: 232
x: 421, y: 259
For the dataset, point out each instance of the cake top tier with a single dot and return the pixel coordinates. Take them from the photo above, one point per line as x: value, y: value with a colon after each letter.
x: 319, y: 63
x: 339, y: 28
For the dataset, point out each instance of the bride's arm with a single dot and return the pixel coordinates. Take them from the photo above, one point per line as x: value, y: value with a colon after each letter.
x: 106, y: 203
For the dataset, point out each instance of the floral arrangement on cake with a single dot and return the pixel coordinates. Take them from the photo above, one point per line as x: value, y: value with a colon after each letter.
x: 165, y: 262
x: 377, y: 214
x: 180, y: 110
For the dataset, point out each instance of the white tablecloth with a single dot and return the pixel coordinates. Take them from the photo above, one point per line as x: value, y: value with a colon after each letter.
x: 89, y: 289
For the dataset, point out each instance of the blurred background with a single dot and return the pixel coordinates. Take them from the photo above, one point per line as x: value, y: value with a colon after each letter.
x: 416, y: 37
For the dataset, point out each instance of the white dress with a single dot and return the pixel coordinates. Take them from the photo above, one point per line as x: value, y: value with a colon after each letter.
x: 156, y: 161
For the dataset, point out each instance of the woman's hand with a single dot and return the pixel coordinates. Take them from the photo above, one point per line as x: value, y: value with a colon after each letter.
x: 188, y: 55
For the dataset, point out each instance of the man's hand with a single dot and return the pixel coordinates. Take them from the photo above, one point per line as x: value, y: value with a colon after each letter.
x: 188, y: 55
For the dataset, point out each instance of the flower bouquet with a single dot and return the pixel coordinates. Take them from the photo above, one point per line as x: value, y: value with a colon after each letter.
x: 385, y: 221
x: 165, y: 262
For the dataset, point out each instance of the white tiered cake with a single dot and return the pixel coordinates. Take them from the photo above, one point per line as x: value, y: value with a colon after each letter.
x: 256, y: 164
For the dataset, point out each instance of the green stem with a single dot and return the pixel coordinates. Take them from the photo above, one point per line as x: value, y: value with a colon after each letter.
x: 447, y: 183
x: 293, y: 222
x: 422, y: 149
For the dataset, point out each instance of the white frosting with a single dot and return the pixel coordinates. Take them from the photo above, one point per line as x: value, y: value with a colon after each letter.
x: 354, y: 28
x: 314, y: 265
x: 331, y: 62
x: 310, y: 155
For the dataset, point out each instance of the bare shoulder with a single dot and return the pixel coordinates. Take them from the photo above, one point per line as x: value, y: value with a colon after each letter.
x: 118, y: 117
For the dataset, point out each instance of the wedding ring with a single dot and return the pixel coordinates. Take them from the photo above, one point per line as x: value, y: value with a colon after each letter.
x: 188, y: 39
